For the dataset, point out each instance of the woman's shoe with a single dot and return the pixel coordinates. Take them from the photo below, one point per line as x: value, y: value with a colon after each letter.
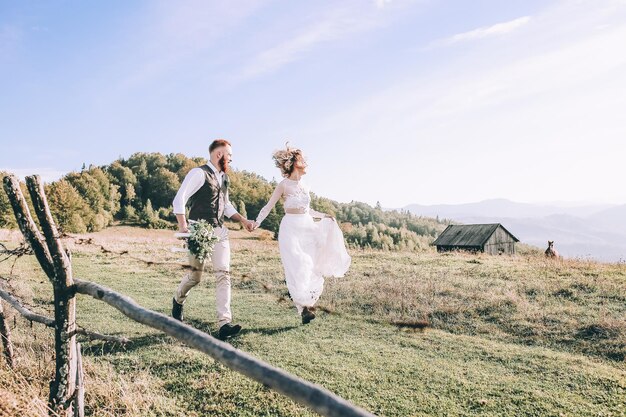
x: 307, y: 315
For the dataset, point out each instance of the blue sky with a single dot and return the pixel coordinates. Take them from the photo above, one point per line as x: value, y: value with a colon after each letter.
x: 393, y: 101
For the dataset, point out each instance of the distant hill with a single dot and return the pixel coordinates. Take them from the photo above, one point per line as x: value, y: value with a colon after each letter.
x: 503, y: 208
x: 613, y: 218
x: 586, y: 231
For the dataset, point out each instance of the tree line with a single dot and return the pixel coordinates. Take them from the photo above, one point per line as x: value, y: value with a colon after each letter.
x: 140, y: 190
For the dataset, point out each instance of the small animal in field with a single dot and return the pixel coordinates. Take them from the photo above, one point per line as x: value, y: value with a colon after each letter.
x: 551, y: 252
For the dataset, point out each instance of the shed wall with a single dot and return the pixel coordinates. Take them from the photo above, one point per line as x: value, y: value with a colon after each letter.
x: 500, y: 242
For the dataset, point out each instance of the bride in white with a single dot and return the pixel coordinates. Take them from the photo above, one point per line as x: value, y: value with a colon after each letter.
x: 309, y: 250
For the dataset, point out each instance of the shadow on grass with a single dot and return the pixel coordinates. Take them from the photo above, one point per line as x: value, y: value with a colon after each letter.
x: 103, y: 348
x: 267, y: 331
x: 203, y: 326
x: 212, y: 330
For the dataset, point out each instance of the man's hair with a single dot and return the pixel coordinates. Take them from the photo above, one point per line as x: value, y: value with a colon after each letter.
x: 218, y: 143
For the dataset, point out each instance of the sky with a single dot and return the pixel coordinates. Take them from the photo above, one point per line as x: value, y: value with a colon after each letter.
x: 392, y: 101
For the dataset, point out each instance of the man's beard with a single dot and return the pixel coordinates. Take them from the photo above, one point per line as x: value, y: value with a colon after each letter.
x: 223, y: 164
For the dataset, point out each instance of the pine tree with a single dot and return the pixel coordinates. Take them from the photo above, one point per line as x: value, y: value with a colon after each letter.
x: 242, y: 209
x: 129, y: 194
x: 147, y: 215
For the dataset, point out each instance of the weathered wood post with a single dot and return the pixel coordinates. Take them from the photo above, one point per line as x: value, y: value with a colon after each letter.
x: 55, y: 262
x: 5, y: 333
x: 79, y: 408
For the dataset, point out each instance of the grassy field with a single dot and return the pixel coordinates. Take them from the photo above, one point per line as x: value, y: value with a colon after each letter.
x: 507, y: 335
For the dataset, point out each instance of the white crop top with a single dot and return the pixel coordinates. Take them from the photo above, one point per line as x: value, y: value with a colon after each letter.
x: 296, y: 196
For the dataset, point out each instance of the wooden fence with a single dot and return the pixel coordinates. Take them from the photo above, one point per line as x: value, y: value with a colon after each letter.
x: 67, y: 388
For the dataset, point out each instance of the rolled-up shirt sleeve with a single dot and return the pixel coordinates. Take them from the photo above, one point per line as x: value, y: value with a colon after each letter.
x: 229, y: 209
x: 193, y: 182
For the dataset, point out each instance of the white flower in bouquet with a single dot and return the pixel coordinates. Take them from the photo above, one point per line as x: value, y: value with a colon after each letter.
x: 201, y: 240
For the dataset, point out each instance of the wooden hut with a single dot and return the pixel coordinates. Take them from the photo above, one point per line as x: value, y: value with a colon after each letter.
x: 489, y: 238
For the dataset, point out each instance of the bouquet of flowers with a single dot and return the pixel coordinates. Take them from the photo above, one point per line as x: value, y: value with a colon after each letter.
x: 201, y: 240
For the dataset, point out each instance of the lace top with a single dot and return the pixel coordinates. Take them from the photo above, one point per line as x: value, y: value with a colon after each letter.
x: 296, y: 196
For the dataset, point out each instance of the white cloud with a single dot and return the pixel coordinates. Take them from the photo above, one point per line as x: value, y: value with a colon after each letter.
x: 172, y: 32
x: 550, y: 73
x: 538, y: 106
x: 479, y: 82
x: 339, y: 23
x: 288, y: 51
x: 484, y: 32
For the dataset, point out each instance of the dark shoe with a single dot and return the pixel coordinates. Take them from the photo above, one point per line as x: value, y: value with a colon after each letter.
x: 177, y: 310
x: 228, y: 330
x: 307, y: 315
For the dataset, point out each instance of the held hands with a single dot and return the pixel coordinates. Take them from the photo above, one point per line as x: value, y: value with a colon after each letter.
x: 248, y: 224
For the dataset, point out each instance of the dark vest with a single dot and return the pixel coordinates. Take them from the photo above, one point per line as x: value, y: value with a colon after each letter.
x: 208, y: 202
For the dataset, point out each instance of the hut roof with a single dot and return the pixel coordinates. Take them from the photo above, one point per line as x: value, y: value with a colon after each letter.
x: 468, y: 234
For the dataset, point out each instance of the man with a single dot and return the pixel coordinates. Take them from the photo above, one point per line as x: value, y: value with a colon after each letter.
x: 206, y: 188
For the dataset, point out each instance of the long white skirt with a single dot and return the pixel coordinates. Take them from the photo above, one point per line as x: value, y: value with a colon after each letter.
x: 310, y: 251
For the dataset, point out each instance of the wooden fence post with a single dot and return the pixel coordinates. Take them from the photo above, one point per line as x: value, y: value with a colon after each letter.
x: 64, y: 384
x: 79, y: 408
x: 55, y: 262
x: 5, y: 333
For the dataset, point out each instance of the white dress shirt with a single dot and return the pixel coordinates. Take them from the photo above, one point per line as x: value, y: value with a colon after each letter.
x: 193, y: 181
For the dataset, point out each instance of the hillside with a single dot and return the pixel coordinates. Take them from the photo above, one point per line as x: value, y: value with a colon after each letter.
x: 139, y: 191
x: 508, y: 335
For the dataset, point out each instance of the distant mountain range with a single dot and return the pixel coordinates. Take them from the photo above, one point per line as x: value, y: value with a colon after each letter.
x: 579, y: 231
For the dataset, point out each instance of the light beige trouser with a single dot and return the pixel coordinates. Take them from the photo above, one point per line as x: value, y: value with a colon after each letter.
x: 220, y: 259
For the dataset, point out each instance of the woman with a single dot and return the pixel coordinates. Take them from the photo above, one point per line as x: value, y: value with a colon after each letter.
x: 309, y: 250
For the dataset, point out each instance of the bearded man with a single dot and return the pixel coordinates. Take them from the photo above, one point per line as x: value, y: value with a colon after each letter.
x: 206, y: 190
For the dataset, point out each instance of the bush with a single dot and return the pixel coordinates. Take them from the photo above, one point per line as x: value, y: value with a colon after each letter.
x: 7, y: 220
x: 76, y: 224
x: 128, y: 213
x: 147, y: 215
x: 69, y: 209
x: 167, y: 214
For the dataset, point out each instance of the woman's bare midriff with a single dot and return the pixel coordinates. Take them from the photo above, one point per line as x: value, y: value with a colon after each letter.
x: 295, y: 211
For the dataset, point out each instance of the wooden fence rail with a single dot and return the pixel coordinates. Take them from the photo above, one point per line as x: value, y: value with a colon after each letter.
x: 67, y: 390
x: 49, y: 322
x: 318, y: 399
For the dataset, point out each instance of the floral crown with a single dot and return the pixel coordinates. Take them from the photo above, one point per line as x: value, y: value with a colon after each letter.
x: 284, y: 159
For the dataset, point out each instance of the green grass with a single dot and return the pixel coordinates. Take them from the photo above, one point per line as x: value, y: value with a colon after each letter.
x: 509, y: 336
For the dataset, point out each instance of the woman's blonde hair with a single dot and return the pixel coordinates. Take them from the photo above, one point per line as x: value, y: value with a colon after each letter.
x: 285, y: 159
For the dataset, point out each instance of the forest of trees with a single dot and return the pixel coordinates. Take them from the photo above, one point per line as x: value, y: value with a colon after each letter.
x: 139, y: 191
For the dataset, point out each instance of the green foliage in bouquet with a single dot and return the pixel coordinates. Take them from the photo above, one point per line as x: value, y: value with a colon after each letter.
x: 201, y: 239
